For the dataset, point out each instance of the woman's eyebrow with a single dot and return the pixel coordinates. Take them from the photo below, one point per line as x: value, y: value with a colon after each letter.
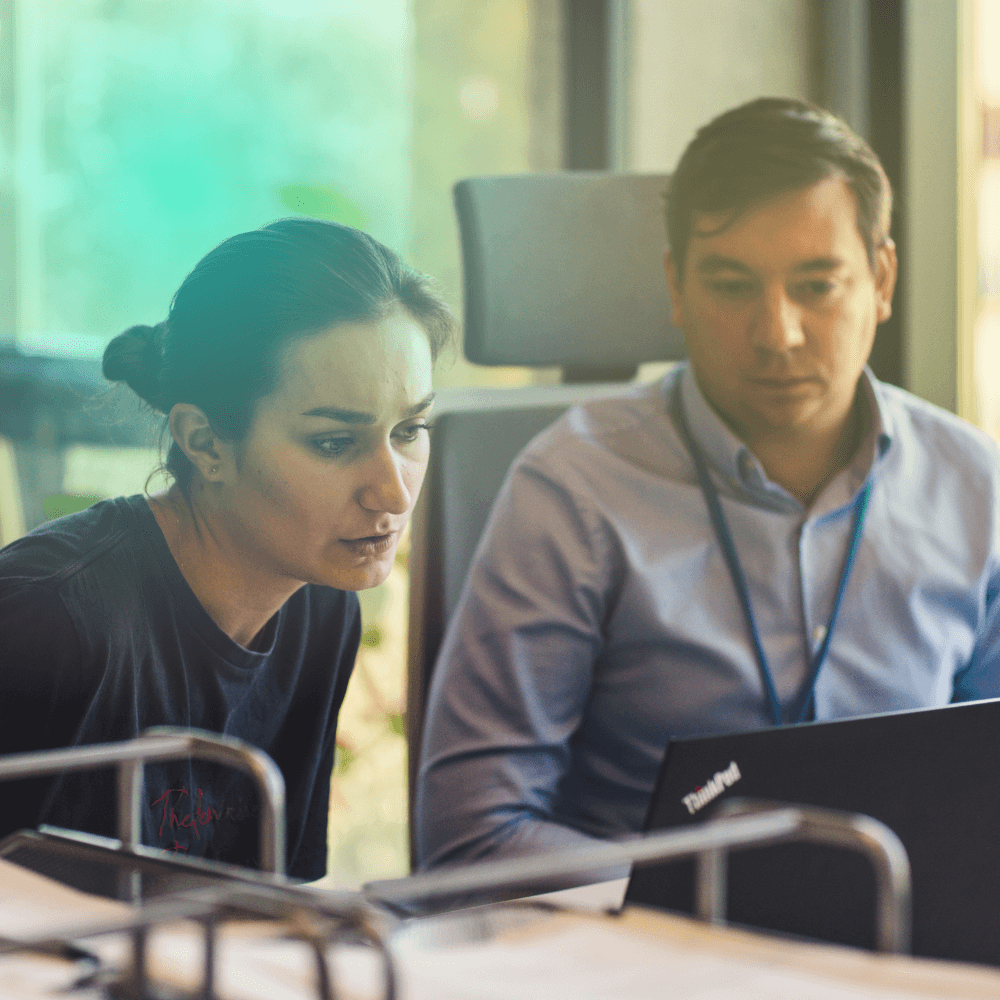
x: 421, y: 406
x: 344, y: 416
x: 358, y: 417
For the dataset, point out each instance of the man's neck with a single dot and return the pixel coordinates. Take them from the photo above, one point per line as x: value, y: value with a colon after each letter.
x: 803, y: 462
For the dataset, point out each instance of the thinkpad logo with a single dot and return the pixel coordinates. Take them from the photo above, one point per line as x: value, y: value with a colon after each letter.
x: 712, y: 788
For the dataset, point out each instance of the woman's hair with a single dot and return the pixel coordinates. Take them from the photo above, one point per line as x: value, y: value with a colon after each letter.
x: 767, y: 147
x: 234, y: 314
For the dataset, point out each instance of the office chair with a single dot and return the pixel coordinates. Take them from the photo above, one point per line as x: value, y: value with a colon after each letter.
x: 559, y: 269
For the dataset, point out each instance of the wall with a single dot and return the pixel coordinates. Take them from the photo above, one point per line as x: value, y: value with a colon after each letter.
x: 686, y: 62
x: 690, y: 61
x: 931, y: 175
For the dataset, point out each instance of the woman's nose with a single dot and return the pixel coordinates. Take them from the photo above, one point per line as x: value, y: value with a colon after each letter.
x: 385, y: 489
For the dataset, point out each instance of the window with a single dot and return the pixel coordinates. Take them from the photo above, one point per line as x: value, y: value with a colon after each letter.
x: 134, y: 136
x: 146, y: 133
x: 984, y: 179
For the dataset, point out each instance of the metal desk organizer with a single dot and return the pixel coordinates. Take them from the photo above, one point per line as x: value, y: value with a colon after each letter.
x: 127, y: 856
x: 747, y: 824
x: 324, y: 920
x: 320, y: 920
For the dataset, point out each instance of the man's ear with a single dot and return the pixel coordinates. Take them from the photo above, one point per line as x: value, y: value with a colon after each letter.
x: 886, y: 269
x: 674, y: 284
x: 195, y: 436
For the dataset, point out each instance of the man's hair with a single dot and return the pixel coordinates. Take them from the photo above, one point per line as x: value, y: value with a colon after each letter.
x: 767, y: 147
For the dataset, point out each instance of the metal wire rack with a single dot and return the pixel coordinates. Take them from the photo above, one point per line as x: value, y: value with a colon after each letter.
x: 324, y: 921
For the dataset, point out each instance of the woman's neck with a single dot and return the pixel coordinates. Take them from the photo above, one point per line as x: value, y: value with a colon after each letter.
x: 240, y: 595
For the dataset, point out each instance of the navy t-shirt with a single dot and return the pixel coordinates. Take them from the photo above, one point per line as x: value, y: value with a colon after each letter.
x: 101, y: 637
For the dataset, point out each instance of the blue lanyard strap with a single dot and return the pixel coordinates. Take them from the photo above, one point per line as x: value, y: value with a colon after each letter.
x: 800, y: 707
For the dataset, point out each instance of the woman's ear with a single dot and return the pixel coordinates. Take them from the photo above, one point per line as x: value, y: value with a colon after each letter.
x: 208, y: 453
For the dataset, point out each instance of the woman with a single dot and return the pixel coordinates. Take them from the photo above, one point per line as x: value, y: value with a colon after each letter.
x: 295, y: 371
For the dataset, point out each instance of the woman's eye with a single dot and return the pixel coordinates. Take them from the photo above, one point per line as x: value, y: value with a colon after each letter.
x: 333, y: 446
x: 411, y: 432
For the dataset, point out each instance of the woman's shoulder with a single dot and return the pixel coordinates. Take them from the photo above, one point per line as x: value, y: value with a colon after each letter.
x: 57, y: 550
x: 327, y: 622
x: 326, y: 606
x: 42, y: 578
x: 91, y: 569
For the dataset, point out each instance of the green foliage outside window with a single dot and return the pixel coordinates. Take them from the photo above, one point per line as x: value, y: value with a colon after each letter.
x: 164, y: 127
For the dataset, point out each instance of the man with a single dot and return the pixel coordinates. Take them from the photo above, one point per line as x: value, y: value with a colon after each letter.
x: 767, y: 535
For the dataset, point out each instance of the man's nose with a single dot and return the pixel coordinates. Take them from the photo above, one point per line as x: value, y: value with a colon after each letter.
x: 384, y: 488
x: 778, y: 323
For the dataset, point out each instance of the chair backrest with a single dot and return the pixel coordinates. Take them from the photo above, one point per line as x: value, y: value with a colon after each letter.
x: 559, y: 269
x: 566, y: 269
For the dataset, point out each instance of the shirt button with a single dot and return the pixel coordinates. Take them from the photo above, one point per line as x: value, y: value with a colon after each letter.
x: 819, y: 634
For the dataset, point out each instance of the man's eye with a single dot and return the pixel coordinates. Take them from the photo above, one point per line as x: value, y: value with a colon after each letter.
x: 411, y: 432
x: 732, y: 289
x: 819, y: 288
x: 333, y: 446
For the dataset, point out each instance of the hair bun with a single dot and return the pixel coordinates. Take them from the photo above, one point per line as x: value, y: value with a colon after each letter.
x: 134, y: 357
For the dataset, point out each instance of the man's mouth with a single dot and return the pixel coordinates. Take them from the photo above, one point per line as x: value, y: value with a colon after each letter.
x: 370, y: 544
x: 785, y: 382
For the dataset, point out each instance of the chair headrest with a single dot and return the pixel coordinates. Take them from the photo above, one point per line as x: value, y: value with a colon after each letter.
x: 566, y: 269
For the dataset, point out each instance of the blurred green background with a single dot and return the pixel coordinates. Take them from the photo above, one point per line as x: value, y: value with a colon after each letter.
x: 137, y: 134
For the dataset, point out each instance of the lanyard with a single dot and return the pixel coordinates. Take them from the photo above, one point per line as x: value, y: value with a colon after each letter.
x: 800, y: 707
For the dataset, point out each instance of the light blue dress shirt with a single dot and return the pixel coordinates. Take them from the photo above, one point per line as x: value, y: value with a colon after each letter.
x: 599, y: 619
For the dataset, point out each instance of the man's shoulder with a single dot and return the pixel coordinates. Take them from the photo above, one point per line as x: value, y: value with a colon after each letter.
x: 921, y: 427
x: 634, y: 407
x: 633, y: 425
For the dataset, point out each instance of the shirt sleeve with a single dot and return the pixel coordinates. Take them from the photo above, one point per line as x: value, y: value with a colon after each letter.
x: 980, y: 678
x: 513, y: 678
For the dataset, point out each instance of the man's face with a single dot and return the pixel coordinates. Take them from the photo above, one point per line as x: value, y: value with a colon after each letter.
x: 779, y: 310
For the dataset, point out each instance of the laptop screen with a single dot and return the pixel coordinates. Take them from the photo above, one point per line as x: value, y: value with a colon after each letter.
x: 932, y: 776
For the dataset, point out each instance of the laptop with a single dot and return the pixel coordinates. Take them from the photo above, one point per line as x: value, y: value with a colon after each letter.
x: 931, y: 775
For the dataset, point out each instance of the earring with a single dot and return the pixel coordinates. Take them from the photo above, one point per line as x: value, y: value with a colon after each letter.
x: 213, y: 470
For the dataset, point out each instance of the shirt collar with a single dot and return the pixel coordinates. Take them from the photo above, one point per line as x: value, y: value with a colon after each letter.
x: 880, y: 433
x: 737, y: 467
x: 725, y: 453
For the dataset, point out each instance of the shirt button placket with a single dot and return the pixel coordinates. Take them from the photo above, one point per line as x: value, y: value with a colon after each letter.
x: 814, y: 633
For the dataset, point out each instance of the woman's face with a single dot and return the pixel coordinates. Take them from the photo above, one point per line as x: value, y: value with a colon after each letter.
x: 326, y: 478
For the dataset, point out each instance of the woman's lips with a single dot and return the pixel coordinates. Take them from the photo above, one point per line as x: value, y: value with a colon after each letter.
x: 370, y: 545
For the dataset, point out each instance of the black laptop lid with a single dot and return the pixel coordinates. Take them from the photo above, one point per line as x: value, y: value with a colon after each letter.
x: 932, y: 776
